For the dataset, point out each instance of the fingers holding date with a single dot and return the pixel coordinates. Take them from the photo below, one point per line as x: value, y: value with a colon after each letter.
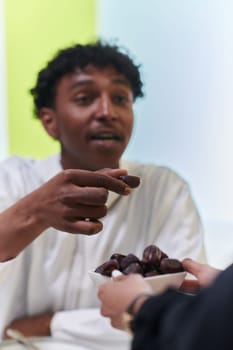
x: 154, y: 262
x: 132, y: 181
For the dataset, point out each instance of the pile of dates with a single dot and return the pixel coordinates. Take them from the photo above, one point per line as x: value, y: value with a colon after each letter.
x: 154, y: 262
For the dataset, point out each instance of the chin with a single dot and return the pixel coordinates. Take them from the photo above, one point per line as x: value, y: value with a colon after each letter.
x: 105, y: 162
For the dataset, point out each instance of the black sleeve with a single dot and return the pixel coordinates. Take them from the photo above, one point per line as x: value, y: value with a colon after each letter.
x: 175, y: 321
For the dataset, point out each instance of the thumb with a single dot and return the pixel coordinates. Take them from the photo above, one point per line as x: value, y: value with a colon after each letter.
x: 112, y: 172
x: 192, y: 266
x: 117, y: 275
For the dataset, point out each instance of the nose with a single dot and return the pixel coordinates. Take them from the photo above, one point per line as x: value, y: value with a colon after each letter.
x: 105, y: 109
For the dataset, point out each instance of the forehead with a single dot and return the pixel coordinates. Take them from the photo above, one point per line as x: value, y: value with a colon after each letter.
x: 93, y: 76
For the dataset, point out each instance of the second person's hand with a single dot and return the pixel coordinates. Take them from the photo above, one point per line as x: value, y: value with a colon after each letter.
x: 116, y: 295
x: 204, y: 273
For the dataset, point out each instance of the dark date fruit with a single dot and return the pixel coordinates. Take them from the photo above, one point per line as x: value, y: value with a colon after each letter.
x: 170, y: 266
x: 152, y: 255
x: 154, y: 262
x: 107, y: 267
x: 118, y: 257
x: 132, y: 181
x: 133, y: 268
x: 127, y: 260
x: 164, y: 255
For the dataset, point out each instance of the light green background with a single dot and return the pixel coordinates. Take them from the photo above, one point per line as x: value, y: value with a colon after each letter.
x: 35, y: 30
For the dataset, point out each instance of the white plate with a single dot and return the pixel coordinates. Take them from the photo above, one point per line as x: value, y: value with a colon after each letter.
x: 158, y: 283
x: 43, y: 343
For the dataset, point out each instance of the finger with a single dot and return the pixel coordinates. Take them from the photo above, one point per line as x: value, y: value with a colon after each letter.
x: 83, y: 212
x: 117, y: 275
x: 120, y: 174
x: 192, y: 266
x: 112, y: 172
x: 106, y: 311
x: 116, y: 322
x: 81, y: 226
x: 132, y: 181
x: 103, y: 288
x: 94, y: 179
x: 92, y: 196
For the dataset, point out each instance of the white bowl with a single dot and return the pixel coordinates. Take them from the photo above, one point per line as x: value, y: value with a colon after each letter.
x: 158, y: 283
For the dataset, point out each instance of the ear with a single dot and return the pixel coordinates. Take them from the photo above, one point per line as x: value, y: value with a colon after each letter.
x: 49, y: 121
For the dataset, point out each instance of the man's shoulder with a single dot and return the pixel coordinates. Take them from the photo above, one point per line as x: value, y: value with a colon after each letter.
x: 20, y: 169
x: 15, y: 163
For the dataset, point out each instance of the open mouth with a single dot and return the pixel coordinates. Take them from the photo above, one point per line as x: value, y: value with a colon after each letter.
x: 106, y: 136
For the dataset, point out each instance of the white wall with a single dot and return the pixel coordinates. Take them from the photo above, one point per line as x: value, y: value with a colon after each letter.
x: 3, y: 114
x: 186, y: 118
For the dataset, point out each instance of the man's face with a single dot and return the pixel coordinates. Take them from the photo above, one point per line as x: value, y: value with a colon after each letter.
x: 93, y: 114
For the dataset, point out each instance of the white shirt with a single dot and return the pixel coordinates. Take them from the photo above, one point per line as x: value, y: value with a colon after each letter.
x: 51, y: 274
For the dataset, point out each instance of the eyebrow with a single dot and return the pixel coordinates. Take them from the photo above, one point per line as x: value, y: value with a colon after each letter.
x: 89, y: 82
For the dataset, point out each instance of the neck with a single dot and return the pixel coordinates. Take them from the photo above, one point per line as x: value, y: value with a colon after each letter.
x: 69, y: 164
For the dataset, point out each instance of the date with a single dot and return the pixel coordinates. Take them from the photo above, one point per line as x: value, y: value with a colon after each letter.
x: 132, y: 181
x: 107, y: 267
x: 170, y: 266
x: 154, y: 262
x: 152, y: 255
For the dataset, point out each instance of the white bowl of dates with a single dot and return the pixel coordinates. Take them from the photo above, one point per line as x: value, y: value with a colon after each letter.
x: 160, y: 271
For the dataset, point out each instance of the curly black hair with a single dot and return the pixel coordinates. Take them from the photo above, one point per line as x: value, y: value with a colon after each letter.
x: 67, y: 60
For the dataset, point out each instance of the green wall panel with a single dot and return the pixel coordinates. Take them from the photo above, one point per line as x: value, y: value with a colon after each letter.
x: 35, y: 30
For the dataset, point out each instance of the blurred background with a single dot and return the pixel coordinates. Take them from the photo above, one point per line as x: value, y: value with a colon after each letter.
x: 185, y: 121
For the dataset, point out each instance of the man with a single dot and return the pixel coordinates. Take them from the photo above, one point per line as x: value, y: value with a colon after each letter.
x: 84, y: 99
x: 173, y: 320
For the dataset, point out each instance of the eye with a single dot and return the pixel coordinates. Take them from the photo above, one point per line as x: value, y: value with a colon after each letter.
x: 84, y: 99
x: 120, y: 99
